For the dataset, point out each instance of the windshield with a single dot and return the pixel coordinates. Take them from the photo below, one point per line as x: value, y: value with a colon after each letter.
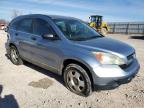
x: 76, y: 30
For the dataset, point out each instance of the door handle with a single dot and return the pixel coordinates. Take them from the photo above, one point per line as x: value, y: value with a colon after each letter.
x: 33, y: 38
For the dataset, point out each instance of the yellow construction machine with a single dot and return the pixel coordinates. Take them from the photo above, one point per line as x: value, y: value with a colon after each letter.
x: 96, y: 21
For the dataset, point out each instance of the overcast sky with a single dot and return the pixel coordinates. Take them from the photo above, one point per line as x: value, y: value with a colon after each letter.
x: 112, y: 10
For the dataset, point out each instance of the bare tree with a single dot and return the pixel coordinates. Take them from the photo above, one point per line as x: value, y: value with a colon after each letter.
x: 16, y: 13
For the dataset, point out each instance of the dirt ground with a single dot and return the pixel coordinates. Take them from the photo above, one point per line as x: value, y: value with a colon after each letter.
x: 28, y: 86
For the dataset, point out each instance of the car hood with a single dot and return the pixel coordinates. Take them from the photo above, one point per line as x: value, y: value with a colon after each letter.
x: 107, y: 44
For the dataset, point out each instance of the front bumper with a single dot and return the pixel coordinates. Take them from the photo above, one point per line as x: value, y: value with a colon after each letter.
x: 107, y: 77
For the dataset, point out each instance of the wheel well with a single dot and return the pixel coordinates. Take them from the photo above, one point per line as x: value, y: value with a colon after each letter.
x: 11, y: 44
x: 69, y: 61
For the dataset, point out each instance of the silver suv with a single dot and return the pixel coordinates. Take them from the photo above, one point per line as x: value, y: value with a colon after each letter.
x: 69, y: 47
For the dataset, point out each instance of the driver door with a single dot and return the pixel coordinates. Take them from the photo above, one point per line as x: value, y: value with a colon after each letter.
x: 45, y: 52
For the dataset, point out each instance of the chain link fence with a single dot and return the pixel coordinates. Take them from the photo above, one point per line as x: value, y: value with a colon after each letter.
x: 126, y: 27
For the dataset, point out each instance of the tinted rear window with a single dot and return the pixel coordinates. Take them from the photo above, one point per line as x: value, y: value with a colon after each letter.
x: 41, y: 27
x: 25, y: 25
x: 13, y: 24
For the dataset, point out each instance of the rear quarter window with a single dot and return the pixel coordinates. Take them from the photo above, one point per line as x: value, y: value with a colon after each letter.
x: 24, y: 25
x: 13, y: 25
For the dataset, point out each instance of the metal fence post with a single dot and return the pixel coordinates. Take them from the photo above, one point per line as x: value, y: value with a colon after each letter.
x: 138, y: 28
x: 114, y: 28
x: 127, y: 29
x: 143, y: 29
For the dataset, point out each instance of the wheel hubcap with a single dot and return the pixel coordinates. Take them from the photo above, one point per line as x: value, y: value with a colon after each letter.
x: 14, y: 55
x: 76, y: 81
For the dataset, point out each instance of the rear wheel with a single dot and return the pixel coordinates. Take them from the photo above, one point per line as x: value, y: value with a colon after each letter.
x: 14, y: 56
x: 77, y: 80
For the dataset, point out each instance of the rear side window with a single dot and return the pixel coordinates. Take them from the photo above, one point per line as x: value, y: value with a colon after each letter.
x: 25, y: 25
x: 41, y: 27
x: 13, y: 25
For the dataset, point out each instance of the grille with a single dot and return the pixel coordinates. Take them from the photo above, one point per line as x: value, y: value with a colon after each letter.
x: 130, y: 59
x: 130, y: 56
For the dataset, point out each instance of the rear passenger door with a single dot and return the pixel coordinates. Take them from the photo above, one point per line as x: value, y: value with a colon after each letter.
x: 23, y: 37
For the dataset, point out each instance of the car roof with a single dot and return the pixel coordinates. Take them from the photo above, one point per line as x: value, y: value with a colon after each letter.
x: 18, y: 18
x: 49, y: 16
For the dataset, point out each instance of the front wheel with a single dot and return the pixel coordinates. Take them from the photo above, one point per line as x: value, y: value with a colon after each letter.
x: 77, y: 80
x: 14, y: 56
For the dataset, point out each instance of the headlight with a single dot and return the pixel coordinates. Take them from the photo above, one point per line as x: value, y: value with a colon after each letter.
x: 106, y: 58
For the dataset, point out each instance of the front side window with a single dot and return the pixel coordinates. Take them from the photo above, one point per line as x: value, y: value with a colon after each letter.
x: 76, y: 30
x: 25, y: 25
x: 41, y: 27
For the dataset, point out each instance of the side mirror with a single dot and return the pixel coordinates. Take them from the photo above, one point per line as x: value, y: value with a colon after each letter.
x: 50, y: 37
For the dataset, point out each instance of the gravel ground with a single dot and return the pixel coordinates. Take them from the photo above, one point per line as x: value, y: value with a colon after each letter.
x: 28, y: 86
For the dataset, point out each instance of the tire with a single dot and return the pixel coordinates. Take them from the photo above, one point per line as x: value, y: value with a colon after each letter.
x: 14, y: 56
x: 77, y: 80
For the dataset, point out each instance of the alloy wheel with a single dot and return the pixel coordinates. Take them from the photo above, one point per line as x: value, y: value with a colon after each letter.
x: 76, y: 81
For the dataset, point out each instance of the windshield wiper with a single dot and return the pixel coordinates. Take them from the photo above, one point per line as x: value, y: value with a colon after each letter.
x: 84, y: 39
x: 93, y: 37
x: 78, y: 39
